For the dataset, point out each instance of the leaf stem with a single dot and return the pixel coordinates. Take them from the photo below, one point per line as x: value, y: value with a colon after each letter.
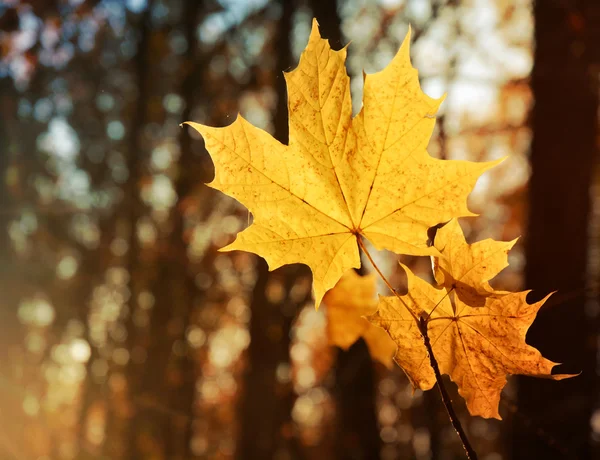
x: 385, y: 280
x: 422, y: 324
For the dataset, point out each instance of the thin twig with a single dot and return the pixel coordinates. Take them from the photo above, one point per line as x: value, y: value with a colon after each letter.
x: 471, y: 454
x: 422, y: 324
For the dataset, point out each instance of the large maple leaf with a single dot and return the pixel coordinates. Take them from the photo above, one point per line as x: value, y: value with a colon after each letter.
x: 340, y: 177
x: 477, y: 338
x: 353, y: 298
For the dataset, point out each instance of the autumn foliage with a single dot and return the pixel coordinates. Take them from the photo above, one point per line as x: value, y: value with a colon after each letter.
x: 477, y: 333
x: 342, y: 180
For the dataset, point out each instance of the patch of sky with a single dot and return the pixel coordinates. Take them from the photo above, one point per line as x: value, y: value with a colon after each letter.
x: 28, y: 21
x: 66, y: 267
x: 74, y: 186
x: 301, y: 31
x: 103, y: 199
x: 136, y: 6
x: 234, y: 12
x: 68, y: 29
x: 212, y: 28
x: 64, y: 104
x: 480, y: 16
x: 76, y: 182
x: 160, y: 194
x: 50, y: 35
x: 471, y: 99
x: 254, y: 41
x: 392, y: 4
x: 434, y: 87
x: 87, y: 35
x: 418, y: 12
x: 36, y: 311
x: 362, y: 28
x: 80, y: 350
x: 240, y: 9
x: 57, y: 57
x: 115, y: 130
x: 28, y: 223
x: 60, y: 140
x: 383, y: 55
x: 114, y: 12
x: 162, y: 157
x: 350, y: 9
x: 253, y: 111
x: 173, y: 103
x: 160, y: 12
x: 105, y: 102
x: 430, y: 56
x: 477, y: 66
x: 85, y: 230
x: 238, y: 68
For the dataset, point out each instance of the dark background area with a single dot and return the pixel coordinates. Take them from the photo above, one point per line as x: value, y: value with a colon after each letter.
x: 125, y: 334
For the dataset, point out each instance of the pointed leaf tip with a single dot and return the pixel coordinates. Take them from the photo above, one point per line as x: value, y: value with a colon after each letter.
x: 314, y: 31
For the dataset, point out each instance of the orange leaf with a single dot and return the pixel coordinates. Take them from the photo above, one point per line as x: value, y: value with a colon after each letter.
x: 477, y: 335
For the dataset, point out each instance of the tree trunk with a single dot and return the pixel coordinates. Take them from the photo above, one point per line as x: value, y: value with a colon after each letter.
x: 133, y: 208
x: 180, y: 274
x: 563, y: 151
x: 8, y: 312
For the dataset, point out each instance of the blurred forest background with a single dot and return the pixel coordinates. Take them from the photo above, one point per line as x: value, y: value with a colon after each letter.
x: 124, y: 334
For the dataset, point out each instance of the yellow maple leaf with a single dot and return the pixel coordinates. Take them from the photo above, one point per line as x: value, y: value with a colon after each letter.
x: 340, y: 177
x: 353, y: 298
x: 477, y: 346
x: 467, y: 268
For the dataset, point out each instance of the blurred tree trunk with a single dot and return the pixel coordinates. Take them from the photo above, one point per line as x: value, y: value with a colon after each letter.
x: 180, y: 288
x: 357, y: 432
x: 8, y: 107
x: 357, y: 435
x: 563, y: 151
x: 168, y: 379
x: 11, y: 283
x: 136, y: 425
x: 266, y: 403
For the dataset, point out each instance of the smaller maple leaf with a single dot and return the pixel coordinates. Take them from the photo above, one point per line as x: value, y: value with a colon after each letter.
x: 353, y: 298
x: 477, y: 346
x: 467, y: 268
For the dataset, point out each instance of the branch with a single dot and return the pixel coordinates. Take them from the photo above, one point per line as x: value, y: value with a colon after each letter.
x: 422, y: 324
x: 471, y: 454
